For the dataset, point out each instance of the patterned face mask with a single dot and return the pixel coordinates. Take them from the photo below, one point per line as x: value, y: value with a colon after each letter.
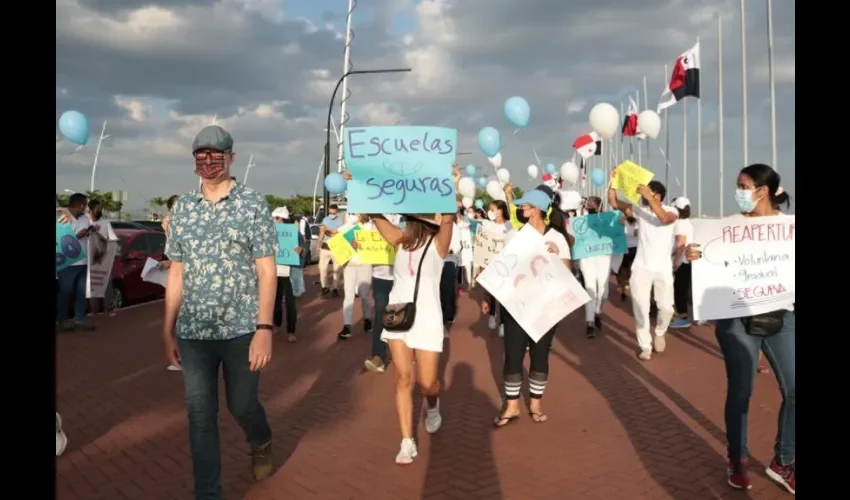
x: 211, y: 169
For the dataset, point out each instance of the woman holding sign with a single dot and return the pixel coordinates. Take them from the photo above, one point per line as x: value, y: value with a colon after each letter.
x: 758, y: 194
x: 532, y: 209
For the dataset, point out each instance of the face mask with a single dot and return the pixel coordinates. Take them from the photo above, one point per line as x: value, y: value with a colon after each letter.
x: 332, y: 216
x: 491, y: 215
x: 745, y: 201
x: 209, y: 171
x: 470, y: 214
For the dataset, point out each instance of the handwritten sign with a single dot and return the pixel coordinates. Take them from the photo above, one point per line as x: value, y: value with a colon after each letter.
x: 488, y: 242
x: 629, y: 176
x: 533, y: 284
x: 341, y: 249
x: 68, y: 247
x: 101, y: 258
x: 373, y: 248
x: 405, y: 170
x: 287, y: 240
x: 747, y: 266
x: 598, y: 234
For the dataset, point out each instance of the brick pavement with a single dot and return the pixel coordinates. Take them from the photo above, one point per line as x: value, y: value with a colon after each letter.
x: 617, y: 427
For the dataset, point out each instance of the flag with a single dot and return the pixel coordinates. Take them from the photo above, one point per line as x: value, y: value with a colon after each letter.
x: 684, y: 81
x: 588, y: 145
x: 630, y: 123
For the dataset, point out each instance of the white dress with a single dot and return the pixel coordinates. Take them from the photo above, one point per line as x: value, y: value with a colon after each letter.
x: 426, y: 334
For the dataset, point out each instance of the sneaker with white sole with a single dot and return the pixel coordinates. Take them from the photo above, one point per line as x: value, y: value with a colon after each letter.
x: 660, y: 343
x: 680, y: 323
x: 491, y: 323
x: 174, y: 368
x: 645, y: 354
x: 375, y: 364
x: 433, y: 419
x: 61, y: 438
x: 407, y: 452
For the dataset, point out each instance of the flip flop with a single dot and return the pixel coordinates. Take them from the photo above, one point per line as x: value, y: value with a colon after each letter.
x: 502, y: 420
x: 538, y: 417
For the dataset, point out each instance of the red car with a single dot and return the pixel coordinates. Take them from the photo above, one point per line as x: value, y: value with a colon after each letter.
x: 135, y: 246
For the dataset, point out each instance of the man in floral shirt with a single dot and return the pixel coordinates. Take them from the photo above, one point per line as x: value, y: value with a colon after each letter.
x: 218, y: 306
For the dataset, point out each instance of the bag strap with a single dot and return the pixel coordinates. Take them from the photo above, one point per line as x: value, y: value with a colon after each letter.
x: 419, y: 269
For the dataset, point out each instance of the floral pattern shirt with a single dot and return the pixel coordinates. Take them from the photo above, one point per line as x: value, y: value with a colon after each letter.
x: 218, y: 244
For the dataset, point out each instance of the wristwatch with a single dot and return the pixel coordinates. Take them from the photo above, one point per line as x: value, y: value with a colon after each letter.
x: 262, y: 326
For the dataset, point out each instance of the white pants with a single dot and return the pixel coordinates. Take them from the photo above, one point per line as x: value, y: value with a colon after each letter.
x: 595, y: 271
x: 642, y: 284
x: 357, y: 281
x: 324, y: 260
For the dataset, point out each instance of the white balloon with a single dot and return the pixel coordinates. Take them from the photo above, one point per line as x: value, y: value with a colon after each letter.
x: 649, y: 123
x: 466, y: 187
x: 494, y: 189
x: 569, y: 172
x: 467, y: 202
x: 532, y: 171
x: 605, y: 120
x: 570, y: 200
x: 503, y: 175
x: 496, y: 161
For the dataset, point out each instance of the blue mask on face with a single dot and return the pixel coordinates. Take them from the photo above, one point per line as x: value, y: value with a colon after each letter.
x: 745, y: 201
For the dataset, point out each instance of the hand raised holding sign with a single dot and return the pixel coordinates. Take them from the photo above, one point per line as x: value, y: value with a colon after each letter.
x: 551, y: 247
x: 347, y: 175
x: 644, y: 191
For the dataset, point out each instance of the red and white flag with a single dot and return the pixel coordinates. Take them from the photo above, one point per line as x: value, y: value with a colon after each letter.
x: 684, y: 81
x: 588, y: 145
x: 630, y: 123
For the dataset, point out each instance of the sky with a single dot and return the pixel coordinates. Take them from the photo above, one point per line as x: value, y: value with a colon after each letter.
x: 157, y: 71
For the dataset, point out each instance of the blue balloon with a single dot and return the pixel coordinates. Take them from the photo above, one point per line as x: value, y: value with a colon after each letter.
x: 551, y: 168
x: 489, y: 141
x: 75, y: 127
x: 517, y: 111
x: 335, y: 183
x: 479, y: 204
x: 469, y: 169
x: 482, y: 182
x: 597, y: 177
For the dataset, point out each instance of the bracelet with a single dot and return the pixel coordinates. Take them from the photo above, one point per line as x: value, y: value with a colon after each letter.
x: 262, y: 326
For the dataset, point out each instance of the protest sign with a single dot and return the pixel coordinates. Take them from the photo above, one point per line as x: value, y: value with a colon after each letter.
x: 533, y: 285
x: 488, y: 242
x: 100, y: 259
x: 287, y: 240
x: 341, y: 249
x: 747, y: 266
x: 68, y: 247
x: 629, y: 176
x: 151, y: 273
x: 598, y: 234
x: 404, y: 170
x: 373, y: 248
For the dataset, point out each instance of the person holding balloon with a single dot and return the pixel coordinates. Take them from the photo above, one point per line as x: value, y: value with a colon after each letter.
x: 72, y: 279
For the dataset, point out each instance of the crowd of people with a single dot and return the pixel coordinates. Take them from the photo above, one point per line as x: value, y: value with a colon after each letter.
x: 226, y: 297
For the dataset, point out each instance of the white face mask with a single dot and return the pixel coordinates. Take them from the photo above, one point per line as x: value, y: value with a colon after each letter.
x: 491, y: 215
x: 470, y: 214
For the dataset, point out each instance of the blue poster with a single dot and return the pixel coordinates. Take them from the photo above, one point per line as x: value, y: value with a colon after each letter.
x: 598, y: 234
x: 287, y: 240
x: 401, y: 170
x: 68, y: 247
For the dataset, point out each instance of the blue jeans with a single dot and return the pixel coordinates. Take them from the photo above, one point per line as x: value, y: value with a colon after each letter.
x: 741, y: 355
x: 381, y: 298
x: 72, y: 282
x: 201, y: 359
x: 448, y: 291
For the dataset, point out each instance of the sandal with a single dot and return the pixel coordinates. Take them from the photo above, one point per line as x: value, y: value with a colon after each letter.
x: 503, y: 420
x: 290, y: 337
x: 538, y: 417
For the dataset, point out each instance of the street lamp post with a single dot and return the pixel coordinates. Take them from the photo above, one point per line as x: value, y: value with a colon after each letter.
x: 248, y: 169
x: 97, y: 153
x: 326, y: 200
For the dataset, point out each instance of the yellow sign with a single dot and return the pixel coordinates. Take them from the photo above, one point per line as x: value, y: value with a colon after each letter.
x: 341, y: 249
x: 629, y: 176
x: 373, y: 248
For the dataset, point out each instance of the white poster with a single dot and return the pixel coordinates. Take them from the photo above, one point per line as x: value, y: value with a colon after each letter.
x: 488, y: 242
x: 747, y: 266
x: 533, y: 284
x: 153, y: 274
x: 101, y: 257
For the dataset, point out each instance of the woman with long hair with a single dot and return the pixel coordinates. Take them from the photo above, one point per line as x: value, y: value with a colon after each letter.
x: 421, y: 249
x: 499, y: 218
x: 595, y: 271
x: 532, y: 208
x: 758, y: 194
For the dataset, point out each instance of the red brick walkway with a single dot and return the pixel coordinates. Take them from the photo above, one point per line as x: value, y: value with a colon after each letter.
x: 617, y: 428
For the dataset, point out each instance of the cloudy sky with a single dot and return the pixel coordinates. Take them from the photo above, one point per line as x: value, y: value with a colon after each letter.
x: 159, y: 70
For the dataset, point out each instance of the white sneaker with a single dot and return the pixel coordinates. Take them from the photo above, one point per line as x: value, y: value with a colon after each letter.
x: 491, y: 323
x: 660, y: 343
x: 433, y: 419
x: 61, y: 438
x: 645, y: 354
x: 174, y: 368
x: 407, y: 452
x: 501, y: 330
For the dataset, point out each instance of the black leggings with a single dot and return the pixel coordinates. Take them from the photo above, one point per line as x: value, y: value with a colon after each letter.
x: 682, y: 288
x: 516, y: 340
x: 284, y: 296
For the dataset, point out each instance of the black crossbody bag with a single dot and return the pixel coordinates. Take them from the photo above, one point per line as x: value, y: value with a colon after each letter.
x: 399, y: 317
x: 765, y: 324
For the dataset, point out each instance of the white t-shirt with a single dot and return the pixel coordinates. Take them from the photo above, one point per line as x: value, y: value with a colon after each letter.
x: 655, y: 240
x: 455, y: 246
x: 82, y: 222
x: 551, y: 236
x: 684, y: 227
x: 631, y: 234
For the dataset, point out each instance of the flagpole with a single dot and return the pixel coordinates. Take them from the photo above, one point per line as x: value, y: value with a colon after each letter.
x: 772, y: 77
x: 646, y: 106
x: 720, y: 106
x: 667, y: 144
x: 699, y: 146
x: 685, y: 147
x: 745, y: 135
x: 637, y: 103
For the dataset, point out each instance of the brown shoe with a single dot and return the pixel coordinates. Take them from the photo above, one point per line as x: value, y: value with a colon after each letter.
x: 262, y: 461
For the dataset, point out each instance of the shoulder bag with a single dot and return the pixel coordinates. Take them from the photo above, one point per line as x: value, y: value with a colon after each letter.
x: 400, y: 317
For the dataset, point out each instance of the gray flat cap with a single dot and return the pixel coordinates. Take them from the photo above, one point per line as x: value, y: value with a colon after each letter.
x: 213, y: 137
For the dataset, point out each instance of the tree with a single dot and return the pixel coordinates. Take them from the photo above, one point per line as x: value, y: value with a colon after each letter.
x: 157, y: 202
x: 105, y: 199
x: 299, y: 204
x: 482, y: 195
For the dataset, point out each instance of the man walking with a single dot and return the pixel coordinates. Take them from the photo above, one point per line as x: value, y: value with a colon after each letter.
x: 328, y: 228
x: 219, y: 304
x: 72, y: 279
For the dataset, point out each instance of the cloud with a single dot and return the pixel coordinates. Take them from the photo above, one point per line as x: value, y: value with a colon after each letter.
x: 159, y: 70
